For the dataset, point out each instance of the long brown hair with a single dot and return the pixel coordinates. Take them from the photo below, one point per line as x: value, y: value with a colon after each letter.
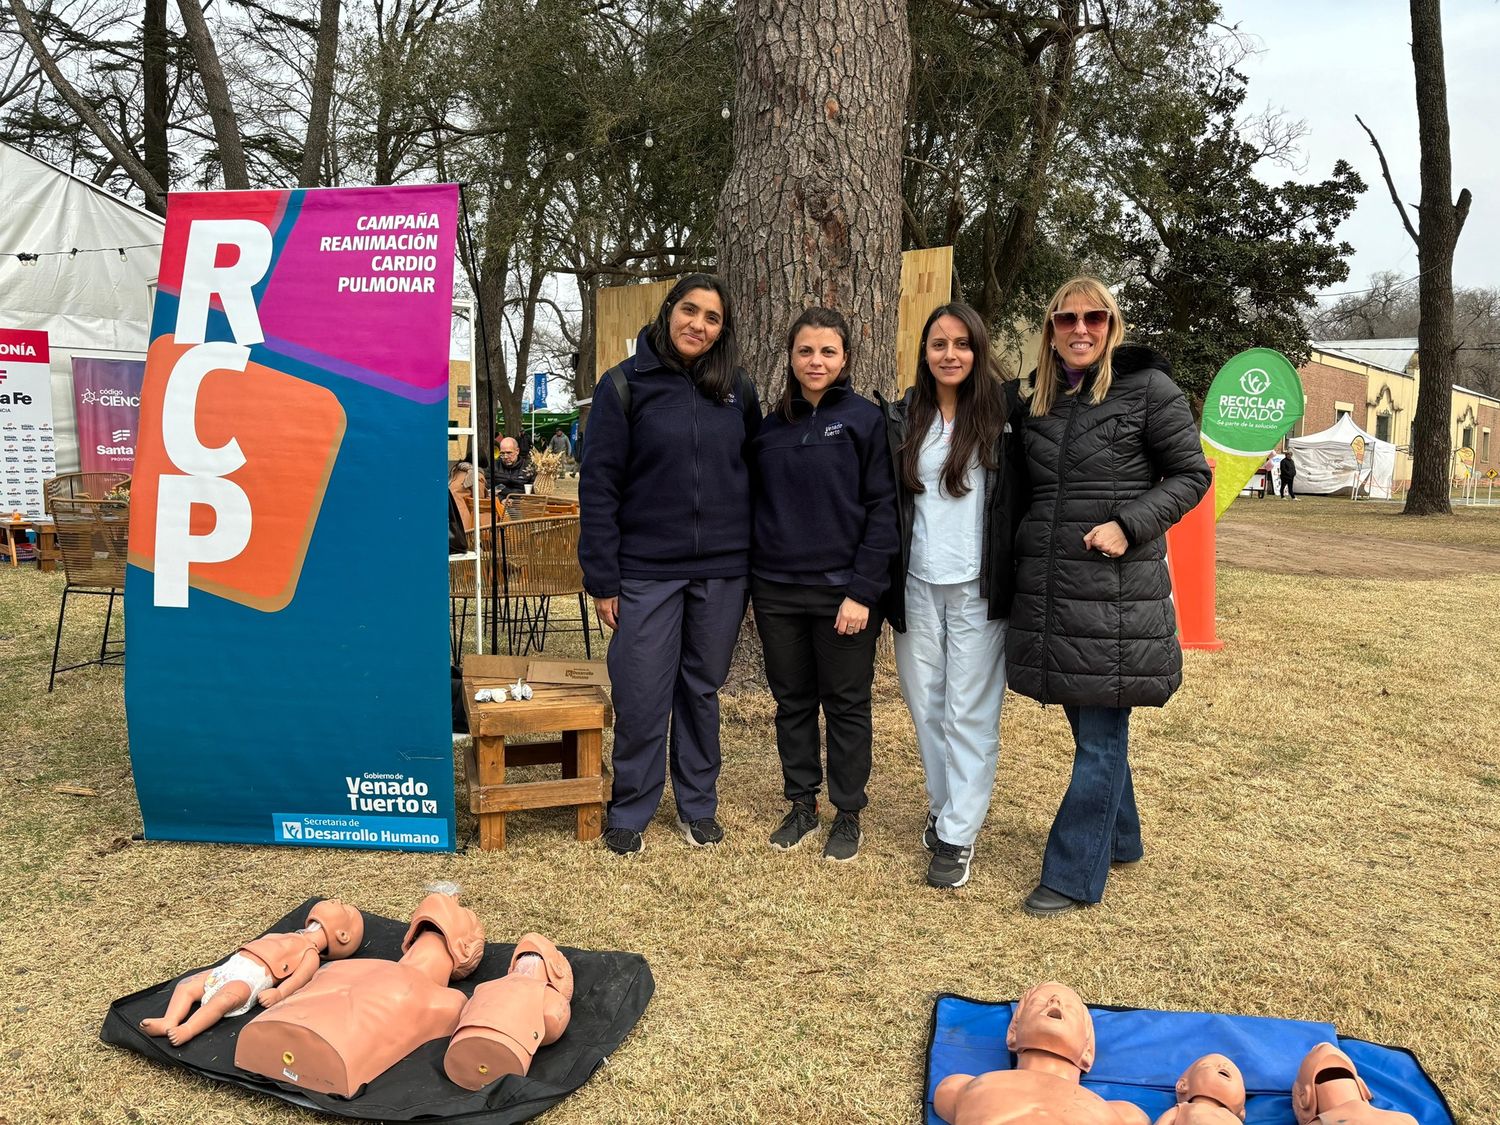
x: 1043, y: 388
x: 815, y: 317
x: 977, y: 420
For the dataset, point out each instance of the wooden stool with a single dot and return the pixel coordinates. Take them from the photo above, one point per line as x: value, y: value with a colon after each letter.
x: 579, y: 711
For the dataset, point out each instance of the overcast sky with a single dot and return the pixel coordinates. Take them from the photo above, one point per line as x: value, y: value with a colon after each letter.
x: 1323, y: 61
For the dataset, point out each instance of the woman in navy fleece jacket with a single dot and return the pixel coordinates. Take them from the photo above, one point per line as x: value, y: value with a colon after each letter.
x: 664, y: 545
x: 825, y: 535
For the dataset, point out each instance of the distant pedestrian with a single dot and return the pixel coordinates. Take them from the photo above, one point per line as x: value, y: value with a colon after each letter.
x: 1288, y: 477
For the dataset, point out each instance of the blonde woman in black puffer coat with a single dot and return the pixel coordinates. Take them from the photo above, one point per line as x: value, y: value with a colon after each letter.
x: 1112, y: 453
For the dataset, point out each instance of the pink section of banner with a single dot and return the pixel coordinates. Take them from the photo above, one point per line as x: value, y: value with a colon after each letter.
x: 373, y: 285
x: 107, y: 402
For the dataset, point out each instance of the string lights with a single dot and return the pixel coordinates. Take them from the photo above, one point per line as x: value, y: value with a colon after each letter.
x: 29, y: 258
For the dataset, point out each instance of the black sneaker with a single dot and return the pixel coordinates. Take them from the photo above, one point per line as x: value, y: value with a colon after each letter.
x: 624, y: 841
x: 795, y: 826
x: 929, y: 834
x: 950, y: 864
x: 844, y: 838
x: 703, y: 833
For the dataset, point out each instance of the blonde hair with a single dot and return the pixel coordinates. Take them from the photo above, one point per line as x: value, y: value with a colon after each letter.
x: 1043, y: 389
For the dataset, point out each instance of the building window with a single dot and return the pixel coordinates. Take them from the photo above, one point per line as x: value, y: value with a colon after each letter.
x: 1484, y: 445
x: 1382, y: 427
x: 1342, y: 408
x: 1468, y: 441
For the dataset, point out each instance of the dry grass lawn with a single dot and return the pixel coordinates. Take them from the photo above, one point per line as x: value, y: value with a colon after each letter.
x: 1321, y: 804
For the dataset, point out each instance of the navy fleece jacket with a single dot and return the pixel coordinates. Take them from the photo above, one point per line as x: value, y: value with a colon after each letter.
x: 664, y: 493
x: 825, y: 496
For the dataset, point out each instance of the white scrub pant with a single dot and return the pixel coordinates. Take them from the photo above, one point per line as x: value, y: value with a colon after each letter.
x: 952, y: 665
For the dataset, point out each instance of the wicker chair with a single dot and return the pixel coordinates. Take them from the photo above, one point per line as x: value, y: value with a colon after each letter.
x: 93, y: 539
x: 538, y: 561
x: 521, y: 506
x: 81, y: 486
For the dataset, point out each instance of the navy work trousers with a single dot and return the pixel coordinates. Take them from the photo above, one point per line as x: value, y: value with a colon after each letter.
x: 668, y: 660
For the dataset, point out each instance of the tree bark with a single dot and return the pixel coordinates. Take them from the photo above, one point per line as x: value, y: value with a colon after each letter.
x: 811, y: 211
x: 310, y: 174
x: 151, y: 188
x: 154, y: 93
x: 216, y: 93
x: 1441, y: 221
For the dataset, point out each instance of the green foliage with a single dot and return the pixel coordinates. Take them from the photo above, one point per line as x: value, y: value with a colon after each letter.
x: 1214, y: 258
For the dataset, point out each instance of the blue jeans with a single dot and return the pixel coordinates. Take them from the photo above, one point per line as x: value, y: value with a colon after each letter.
x: 1097, y: 821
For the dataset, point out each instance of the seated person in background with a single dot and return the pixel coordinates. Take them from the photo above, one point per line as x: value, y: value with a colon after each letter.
x: 511, y: 473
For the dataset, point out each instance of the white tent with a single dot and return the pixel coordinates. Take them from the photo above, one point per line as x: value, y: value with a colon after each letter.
x: 1326, y: 463
x: 91, y: 303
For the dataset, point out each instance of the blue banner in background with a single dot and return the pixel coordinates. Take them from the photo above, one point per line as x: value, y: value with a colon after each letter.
x: 539, y: 390
x: 287, y: 594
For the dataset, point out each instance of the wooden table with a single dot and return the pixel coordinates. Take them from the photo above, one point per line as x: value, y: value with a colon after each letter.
x: 580, y: 712
x: 13, y: 534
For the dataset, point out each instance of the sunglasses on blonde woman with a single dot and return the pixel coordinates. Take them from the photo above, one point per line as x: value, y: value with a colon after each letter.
x: 1067, y: 321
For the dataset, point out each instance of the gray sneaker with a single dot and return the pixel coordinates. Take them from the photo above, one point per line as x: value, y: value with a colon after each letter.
x: 950, y: 865
x: 929, y: 834
x: 844, y: 838
x: 795, y: 826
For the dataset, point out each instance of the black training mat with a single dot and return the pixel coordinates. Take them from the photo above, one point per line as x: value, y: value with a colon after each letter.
x: 611, y: 990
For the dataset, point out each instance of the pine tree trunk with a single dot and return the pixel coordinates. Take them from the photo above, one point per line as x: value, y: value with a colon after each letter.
x: 1441, y: 222
x: 311, y: 172
x: 811, y: 211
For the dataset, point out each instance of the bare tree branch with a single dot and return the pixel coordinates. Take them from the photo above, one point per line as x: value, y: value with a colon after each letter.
x: 1385, y: 170
x: 216, y: 91
x: 116, y: 146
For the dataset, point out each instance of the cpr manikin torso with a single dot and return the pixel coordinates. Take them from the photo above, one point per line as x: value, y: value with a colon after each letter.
x: 1053, y: 1040
x: 508, y: 1019
x: 267, y: 970
x: 1329, y: 1091
x: 346, y: 1028
x: 1210, y: 1092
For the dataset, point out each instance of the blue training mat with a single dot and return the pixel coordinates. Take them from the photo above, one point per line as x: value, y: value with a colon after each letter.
x: 1140, y: 1054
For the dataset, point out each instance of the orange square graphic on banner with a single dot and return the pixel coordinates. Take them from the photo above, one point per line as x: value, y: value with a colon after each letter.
x: 289, y: 431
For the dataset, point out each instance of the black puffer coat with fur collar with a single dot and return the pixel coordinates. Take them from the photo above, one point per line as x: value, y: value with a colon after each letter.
x: 1084, y: 628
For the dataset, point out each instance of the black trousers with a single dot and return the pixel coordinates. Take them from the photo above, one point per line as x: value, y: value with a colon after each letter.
x: 1288, y: 488
x: 809, y: 666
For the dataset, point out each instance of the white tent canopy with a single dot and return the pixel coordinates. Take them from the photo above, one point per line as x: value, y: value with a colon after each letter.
x: 1326, y: 463
x: 92, y: 303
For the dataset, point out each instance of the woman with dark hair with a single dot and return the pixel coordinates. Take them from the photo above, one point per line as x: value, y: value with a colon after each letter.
x: 664, y: 544
x: 959, y: 490
x: 1113, y: 456
x: 824, y: 536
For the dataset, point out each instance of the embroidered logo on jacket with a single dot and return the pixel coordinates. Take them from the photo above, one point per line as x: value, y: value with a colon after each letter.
x: 833, y: 429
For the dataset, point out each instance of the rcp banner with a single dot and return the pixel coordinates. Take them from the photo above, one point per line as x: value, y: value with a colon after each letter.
x: 107, y: 404
x: 28, y: 449
x: 1254, y: 400
x: 286, y: 675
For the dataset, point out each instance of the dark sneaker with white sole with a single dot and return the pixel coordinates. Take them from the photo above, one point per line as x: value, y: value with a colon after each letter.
x: 702, y: 833
x: 844, y: 838
x: 796, y: 826
x: 950, y: 864
x: 624, y: 841
x: 929, y: 834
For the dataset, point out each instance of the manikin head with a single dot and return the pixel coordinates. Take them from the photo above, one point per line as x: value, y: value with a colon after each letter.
x: 1215, y: 1079
x: 1051, y: 1017
x: 1325, y: 1079
x: 460, y: 927
x: 344, y: 925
